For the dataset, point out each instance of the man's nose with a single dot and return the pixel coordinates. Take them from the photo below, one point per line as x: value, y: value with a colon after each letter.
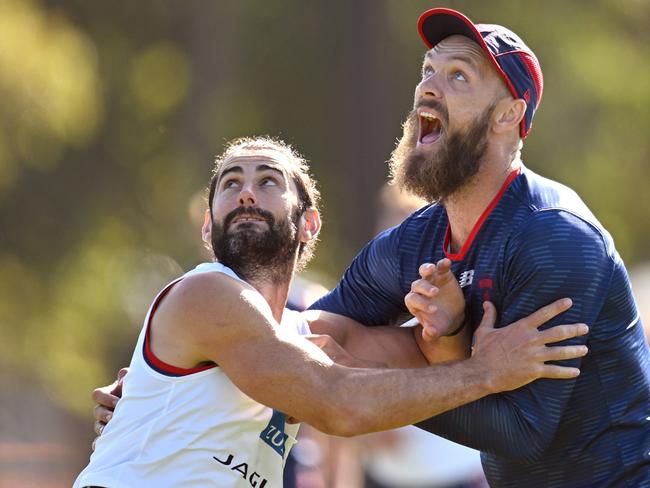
x: 247, y: 197
x: 429, y: 88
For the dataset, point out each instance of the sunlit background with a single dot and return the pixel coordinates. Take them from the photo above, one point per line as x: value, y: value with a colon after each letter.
x: 111, y: 113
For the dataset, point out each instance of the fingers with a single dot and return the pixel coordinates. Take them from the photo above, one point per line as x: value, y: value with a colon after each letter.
x: 559, y: 353
x: 489, y: 316
x: 99, y: 428
x: 429, y: 334
x: 121, y: 374
x: 321, y: 340
x: 558, y: 372
x: 314, y: 338
x: 103, y: 397
x: 427, y: 270
x: 117, y: 390
x: 106, y: 398
x: 443, y: 266
x: 430, y: 272
x: 417, y: 304
x: 562, y: 332
x: 443, y: 272
x: 424, y: 288
x: 546, y: 313
x: 102, y: 413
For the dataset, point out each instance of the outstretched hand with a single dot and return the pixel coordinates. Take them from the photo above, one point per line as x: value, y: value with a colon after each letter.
x: 517, y: 354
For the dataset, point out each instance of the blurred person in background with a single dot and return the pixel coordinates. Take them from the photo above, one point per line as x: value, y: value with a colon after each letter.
x: 519, y: 240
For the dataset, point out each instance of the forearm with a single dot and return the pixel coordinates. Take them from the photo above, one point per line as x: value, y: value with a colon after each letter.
x: 350, y: 401
x: 374, y: 400
x: 391, y: 346
x: 444, y: 349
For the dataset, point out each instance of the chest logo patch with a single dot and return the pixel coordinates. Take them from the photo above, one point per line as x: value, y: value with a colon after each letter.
x: 466, y: 278
x: 273, y: 434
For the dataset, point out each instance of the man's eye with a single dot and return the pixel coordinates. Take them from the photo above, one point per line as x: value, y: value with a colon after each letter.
x: 459, y: 76
x: 268, y: 182
x: 230, y: 184
x: 427, y: 71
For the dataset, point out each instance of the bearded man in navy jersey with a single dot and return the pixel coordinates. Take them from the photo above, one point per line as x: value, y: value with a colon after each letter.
x: 520, y: 241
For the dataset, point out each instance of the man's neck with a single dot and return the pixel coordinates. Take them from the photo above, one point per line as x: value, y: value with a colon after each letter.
x: 466, y: 205
x: 272, y: 283
x: 275, y: 294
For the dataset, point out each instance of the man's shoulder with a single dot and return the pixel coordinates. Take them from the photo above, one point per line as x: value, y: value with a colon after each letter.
x: 424, y: 222
x: 546, y: 206
x: 543, y: 194
x: 199, y: 296
x: 205, y: 284
x: 557, y: 237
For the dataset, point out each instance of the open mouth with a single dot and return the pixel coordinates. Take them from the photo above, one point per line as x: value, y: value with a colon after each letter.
x: 430, y: 128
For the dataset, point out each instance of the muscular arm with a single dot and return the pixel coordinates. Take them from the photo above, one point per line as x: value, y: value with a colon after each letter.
x: 223, y: 320
x: 437, y: 302
x: 371, y: 293
x: 521, y: 424
x: 393, y: 346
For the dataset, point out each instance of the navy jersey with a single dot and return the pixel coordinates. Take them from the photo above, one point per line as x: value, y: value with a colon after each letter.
x: 536, y: 242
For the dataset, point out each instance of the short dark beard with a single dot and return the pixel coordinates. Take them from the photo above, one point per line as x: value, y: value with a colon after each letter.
x: 437, y: 177
x: 268, y: 256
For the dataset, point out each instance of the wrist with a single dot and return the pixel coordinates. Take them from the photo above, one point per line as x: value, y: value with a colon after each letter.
x: 460, y: 326
x: 486, y: 378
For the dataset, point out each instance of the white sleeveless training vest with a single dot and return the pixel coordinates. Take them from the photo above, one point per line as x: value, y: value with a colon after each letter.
x: 178, y: 427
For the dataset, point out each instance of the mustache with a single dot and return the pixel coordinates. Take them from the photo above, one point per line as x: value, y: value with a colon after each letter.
x: 434, y: 105
x: 264, y: 214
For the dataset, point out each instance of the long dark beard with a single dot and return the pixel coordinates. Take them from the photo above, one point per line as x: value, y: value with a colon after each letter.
x: 255, y: 255
x: 436, y: 177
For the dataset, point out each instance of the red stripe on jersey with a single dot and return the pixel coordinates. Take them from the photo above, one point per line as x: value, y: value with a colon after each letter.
x: 477, y: 226
x: 158, y: 364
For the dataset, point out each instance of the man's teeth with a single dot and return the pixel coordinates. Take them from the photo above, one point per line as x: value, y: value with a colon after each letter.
x: 428, y: 116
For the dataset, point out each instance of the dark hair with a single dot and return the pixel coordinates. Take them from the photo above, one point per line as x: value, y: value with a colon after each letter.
x: 298, y: 168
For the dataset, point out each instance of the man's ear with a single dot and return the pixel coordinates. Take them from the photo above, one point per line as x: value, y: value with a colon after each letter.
x: 309, y: 225
x: 508, y: 114
x: 206, y: 229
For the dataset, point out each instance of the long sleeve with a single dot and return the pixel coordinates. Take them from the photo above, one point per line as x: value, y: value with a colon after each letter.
x: 372, y: 278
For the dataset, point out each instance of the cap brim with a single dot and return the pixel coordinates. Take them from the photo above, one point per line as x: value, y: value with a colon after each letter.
x: 437, y: 24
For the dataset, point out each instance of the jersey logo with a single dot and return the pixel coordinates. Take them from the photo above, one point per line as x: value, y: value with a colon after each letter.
x: 466, y: 278
x: 255, y: 480
x: 486, y: 285
x: 274, y: 435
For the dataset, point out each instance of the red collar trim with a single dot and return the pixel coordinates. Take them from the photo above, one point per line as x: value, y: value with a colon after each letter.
x: 479, y: 223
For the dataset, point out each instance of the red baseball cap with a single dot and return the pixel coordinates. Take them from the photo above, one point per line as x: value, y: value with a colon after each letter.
x: 512, y: 58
